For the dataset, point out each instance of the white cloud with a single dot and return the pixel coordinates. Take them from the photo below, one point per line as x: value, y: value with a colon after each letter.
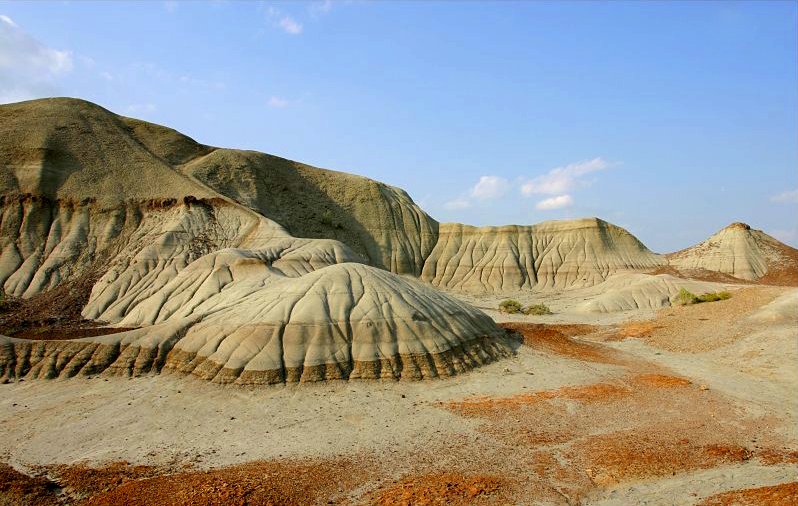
x: 288, y: 25
x: 457, y: 204
x: 557, y: 202
x: 277, y: 102
x: 107, y: 76
x: 285, y: 22
x: 5, y: 19
x: 319, y: 8
x: 490, y: 187
x: 788, y: 197
x: 563, y: 179
x: 28, y: 68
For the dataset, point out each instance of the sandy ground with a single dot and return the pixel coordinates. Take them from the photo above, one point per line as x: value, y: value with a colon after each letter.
x: 692, y: 405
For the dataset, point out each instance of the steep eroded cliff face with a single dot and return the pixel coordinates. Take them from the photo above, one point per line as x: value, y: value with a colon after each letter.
x: 550, y: 255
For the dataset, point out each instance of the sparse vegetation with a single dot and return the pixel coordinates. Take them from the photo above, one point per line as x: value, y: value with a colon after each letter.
x: 685, y: 297
x: 537, y: 309
x: 713, y: 296
x: 510, y: 306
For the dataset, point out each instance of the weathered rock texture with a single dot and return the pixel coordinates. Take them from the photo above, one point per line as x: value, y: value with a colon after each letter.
x: 344, y: 321
x: 241, y: 267
x: 742, y: 252
x: 179, y: 240
x: 555, y: 254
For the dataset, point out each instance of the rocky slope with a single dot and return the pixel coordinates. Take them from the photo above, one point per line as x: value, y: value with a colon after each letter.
x: 742, y: 252
x: 555, y: 254
x: 174, y: 236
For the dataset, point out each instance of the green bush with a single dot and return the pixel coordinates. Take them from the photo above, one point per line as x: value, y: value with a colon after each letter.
x: 712, y: 297
x: 685, y: 297
x: 537, y: 309
x: 510, y: 306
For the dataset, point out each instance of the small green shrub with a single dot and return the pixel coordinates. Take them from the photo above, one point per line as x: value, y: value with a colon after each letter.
x: 685, y: 297
x: 713, y: 297
x: 327, y: 218
x: 537, y: 309
x: 510, y: 306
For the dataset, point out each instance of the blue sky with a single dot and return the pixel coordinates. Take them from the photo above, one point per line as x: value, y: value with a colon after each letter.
x: 671, y: 119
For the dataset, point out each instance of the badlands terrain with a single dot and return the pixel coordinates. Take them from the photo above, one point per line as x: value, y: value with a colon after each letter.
x: 185, y: 324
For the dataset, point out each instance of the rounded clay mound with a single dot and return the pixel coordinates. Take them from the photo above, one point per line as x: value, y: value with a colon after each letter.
x: 346, y: 321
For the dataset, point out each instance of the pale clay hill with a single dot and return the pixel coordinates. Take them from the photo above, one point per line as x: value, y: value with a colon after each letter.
x: 242, y: 267
x: 742, y: 252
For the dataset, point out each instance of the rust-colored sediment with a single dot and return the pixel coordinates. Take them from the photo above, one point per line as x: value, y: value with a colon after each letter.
x: 441, y: 489
x: 255, y: 483
x: 558, y: 339
x: 775, y: 495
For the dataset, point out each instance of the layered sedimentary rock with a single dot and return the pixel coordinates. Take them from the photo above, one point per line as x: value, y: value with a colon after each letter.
x: 70, y: 152
x: 550, y: 255
x: 176, y: 238
x: 742, y: 252
x: 378, y: 221
x: 347, y: 321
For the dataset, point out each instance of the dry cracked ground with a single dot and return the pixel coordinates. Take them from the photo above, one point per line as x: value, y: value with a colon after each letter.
x: 688, y: 405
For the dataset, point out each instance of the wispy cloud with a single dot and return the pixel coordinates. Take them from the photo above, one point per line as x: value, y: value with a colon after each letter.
x: 457, y: 204
x: 788, y: 197
x: 277, y: 102
x: 318, y: 9
x: 563, y: 179
x: 283, y: 21
x: 490, y: 187
x: 289, y: 25
x: 553, y: 203
x: 28, y: 68
x: 170, y: 5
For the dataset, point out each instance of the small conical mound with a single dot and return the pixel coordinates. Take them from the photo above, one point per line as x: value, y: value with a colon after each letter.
x: 742, y: 252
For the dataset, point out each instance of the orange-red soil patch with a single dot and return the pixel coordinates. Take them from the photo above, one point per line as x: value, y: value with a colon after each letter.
x: 485, y: 406
x: 775, y: 495
x: 660, y: 381
x: 637, y: 329
x: 84, y: 480
x: 256, y: 483
x: 442, y: 489
x: 559, y: 339
x: 20, y: 489
x: 637, y: 454
x: 771, y: 457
